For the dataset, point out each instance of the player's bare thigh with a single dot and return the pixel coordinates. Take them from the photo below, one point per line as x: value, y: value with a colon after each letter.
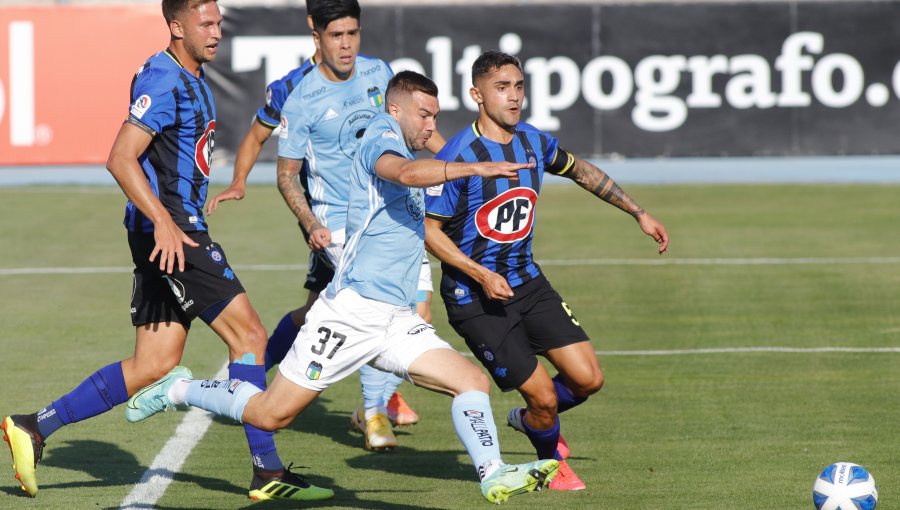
x: 277, y: 407
x: 578, y: 363
x: 157, y: 349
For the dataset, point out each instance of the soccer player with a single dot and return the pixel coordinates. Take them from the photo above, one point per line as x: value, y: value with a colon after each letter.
x: 383, y: 389
x: 322, y: 121
x: 481, y: 230
x: 161, y: 159
x: 365, y: 316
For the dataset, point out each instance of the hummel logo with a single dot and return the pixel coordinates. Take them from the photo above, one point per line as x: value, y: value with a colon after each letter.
x: 330, y: 114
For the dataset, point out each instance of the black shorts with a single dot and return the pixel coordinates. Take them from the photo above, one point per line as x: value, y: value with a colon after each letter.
x: 180, y: 297
x: 507, y: 336
x: 320, y: 271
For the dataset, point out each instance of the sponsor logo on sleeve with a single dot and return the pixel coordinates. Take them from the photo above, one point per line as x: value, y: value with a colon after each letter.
x: 140, y: 106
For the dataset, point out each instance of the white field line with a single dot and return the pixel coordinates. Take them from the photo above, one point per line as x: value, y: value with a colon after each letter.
x: 661, y: 261
x: 168, y: 461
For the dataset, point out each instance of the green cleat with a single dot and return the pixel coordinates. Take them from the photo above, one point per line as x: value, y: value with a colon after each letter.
x: 285, y: 485
x: 513, y: 479
x: 154, y: 398
x: 26, y: 446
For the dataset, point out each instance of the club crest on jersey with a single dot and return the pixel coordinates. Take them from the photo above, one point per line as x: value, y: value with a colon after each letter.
x: 204, y: 148
x: 508, y: 217
x: 376, y: 99
x: 313, y: 371
x: 140, y: 106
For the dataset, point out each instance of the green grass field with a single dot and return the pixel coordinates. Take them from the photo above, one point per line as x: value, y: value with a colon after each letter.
x: 726, y: 430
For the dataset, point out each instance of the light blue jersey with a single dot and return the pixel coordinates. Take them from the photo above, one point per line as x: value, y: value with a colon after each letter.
x: 385, y: 224
x: 322, y: 121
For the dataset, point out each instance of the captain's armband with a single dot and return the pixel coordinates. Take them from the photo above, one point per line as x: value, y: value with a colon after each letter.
x: 562, y: 162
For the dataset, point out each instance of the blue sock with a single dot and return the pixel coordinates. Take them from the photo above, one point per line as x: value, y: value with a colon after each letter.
x: 281, y: 341
x: 262, y: 443
x: 224, y: 398
x: 565, y: 399
x: 99, y: 393
x: 372, y: 382
x: 391, y: 382
x: 544, y: 441
x: 475, y: 427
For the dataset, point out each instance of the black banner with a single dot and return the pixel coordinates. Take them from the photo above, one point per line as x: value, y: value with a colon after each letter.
x: 643, y: 80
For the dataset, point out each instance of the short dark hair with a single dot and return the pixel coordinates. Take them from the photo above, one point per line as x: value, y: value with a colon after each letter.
x: 491, y: 60
x: 324, y: 12
x: 409, y: 82
x: 171, y: 9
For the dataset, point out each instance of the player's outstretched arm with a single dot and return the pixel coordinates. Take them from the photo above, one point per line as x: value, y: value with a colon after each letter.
x: 288, y: 171
x: 248, y: 153
x: 442, y: 247
x: 123, y: 164
x: 422, y: 173
x: 600, y: 184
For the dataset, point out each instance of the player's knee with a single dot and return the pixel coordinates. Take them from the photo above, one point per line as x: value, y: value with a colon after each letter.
x: 472, y: 380
x: 590, y: 386
x: 254, y: 339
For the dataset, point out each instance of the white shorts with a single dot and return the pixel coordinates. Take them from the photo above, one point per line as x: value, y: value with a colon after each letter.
x: 349, y: 331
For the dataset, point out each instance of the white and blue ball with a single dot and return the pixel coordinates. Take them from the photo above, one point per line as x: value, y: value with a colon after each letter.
x: 845, y: 486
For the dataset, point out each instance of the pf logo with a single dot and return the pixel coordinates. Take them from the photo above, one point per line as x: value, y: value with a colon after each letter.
x: 508, y: 217
x: 204, y: 148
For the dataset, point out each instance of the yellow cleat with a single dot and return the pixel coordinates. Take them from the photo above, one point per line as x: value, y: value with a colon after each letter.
x: 26, y: 447
x: 377, y: 430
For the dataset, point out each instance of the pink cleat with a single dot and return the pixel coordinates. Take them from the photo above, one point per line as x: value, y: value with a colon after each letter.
x: 566, y: 479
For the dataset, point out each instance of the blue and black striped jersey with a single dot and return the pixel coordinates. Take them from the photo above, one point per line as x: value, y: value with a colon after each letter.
x: 176, y: 108
x: 492, y: 220
x: 278, y: 91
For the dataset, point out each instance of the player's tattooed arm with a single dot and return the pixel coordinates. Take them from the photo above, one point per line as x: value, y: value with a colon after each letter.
x: 600, y: 184
x: 597, y: 182
x: 288, y: 171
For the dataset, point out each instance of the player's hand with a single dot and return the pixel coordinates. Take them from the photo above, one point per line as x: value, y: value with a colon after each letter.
x: 501, y: 169
x: 234, y: 192
x: 319, y: 238
x: 170, y: 241
x: 495, y: 286
x: 654, y: 229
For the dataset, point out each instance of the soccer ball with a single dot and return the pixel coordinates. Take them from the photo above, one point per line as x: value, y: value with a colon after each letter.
x: 845, y: 486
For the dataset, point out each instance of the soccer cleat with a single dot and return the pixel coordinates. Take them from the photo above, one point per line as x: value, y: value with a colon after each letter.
x: 357, y: 420
x: 154, y: 398
x: 284, y: 484
x: 377, y: 430
x: 399, y: 412
x: 516, y: 420
x: 26, y: 446
x: 566, y: 479
x: 513, y: 479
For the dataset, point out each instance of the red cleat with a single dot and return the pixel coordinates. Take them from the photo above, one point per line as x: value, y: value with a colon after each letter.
x: 566, y: 479
x: 399, y: 412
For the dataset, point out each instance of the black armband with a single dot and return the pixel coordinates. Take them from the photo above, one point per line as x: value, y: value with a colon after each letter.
x: 563, y: 161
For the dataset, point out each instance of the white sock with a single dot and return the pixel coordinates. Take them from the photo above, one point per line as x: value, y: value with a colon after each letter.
x: 178, y: 390
x: 487, y: 469
x: 372, y: 411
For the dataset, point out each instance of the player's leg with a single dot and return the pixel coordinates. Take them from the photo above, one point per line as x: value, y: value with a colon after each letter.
x: 317, y: 277
x: 431, y: 363
x: 160, y: 338
x: 398, y: 410
x: 555, y: 332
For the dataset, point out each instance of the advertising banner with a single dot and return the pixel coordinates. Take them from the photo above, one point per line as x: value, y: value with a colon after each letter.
x: 640, y: 80
x: 64, y: 78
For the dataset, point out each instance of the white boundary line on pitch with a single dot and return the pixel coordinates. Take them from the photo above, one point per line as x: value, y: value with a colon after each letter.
x: 662, y: 261
x: 168, y: 461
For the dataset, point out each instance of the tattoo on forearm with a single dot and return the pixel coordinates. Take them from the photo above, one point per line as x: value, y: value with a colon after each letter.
x: 293, y: 196
x: 600, y: 184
